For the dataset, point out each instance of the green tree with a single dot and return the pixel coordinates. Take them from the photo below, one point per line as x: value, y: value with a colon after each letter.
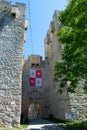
x: 74, y: 37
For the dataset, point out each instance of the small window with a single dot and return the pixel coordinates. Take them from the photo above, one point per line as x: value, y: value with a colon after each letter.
x: 13, y: 15
x: 32, y: 65
x: 14, y: 12
x: 37, y: 65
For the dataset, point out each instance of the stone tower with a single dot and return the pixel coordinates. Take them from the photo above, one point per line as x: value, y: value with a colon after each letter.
x: 64, y: 106
x: 33, y: 95
x: 59, y: 103
x: 12, y: 37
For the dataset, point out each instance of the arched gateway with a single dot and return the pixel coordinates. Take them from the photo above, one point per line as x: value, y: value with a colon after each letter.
x: 35, y: 100
x: 34, y: 110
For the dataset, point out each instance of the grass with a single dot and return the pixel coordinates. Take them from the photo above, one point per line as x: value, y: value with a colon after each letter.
x: 22, y: 127
x: 60, y: 123
x: 79, y: 125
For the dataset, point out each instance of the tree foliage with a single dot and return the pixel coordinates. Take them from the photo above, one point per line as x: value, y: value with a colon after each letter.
x: 74, y: 37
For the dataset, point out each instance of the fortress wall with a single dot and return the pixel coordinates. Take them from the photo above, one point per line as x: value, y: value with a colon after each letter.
x: 59, y: 103
x: 66, y: 102
x: 78, y: 102
x: 11, y: 61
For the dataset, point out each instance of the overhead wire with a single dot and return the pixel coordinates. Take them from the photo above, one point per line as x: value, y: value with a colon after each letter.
x: 30, y: 27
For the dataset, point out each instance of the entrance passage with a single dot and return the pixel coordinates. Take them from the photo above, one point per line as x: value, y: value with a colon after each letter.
x: 34, y: 110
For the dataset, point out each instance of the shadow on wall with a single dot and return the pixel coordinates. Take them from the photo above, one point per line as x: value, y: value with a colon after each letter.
x: 24, y: 119
x: 24, y: 110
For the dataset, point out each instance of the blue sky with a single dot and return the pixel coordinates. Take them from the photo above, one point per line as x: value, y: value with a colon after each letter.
x: 41, y: 13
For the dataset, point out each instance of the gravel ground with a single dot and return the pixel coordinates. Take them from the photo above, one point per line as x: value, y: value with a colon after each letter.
x: 41, y: 124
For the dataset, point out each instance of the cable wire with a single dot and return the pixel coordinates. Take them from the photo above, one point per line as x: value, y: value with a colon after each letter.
x: 30, y: 27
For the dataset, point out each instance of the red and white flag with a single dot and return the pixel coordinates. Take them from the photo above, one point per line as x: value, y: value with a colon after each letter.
x: 32, y: 73
x: 38, y: 74
x: 32, y: 82
x: 35, y: 77
x: 38, y: 82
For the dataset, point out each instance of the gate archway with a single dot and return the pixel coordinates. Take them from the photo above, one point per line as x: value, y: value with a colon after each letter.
x: 34, y: 110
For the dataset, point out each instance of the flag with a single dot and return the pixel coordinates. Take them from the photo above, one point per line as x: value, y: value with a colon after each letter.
x: 38, y: 82
x: 32, y: 73
x: 32, y: 82
x: 38, y: 74
x: 35, y: 77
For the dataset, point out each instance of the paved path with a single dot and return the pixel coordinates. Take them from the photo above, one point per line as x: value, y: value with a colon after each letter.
x: 41, y: 124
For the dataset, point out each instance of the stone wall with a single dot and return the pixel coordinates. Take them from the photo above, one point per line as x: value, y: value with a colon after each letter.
x: 33, y: 95
x: 78, y: 102
x: 59, y: 103
x: 12, y: 21
x: 66, y: 102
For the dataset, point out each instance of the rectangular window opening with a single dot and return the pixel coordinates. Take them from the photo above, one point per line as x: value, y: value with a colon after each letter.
x: 13, y: 15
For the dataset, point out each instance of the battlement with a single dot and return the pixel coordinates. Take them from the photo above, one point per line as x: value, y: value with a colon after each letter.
x: 34, y: 61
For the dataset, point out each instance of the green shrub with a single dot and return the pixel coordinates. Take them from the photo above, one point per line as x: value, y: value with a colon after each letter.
x: 80, y: 125
x: 22, y: 127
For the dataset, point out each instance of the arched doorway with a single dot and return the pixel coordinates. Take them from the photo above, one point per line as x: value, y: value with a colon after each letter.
x: 34, y: 110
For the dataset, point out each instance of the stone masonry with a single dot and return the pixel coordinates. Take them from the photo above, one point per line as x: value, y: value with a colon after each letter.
x: 35, y: 95
x: 66, y: 103
x: 12, y: 29
x: 65, y: 106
